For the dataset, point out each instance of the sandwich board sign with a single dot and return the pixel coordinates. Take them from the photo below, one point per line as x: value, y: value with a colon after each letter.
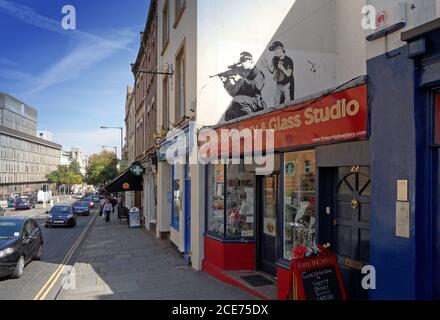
x: 318, y: 278
x: 134, y: 218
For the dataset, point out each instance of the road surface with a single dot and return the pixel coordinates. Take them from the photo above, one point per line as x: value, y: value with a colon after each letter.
x: 42, y: 279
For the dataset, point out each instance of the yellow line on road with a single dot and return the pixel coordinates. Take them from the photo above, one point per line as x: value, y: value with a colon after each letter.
x: 47, y: 287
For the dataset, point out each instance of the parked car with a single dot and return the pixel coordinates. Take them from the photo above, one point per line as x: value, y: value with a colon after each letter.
x: 81, y: 208
x: 95, y: 198
x: 61, y: 216
x: 21, y: 241
x: 79, y: 196
x: 91, y: 202
x: 24, y: 203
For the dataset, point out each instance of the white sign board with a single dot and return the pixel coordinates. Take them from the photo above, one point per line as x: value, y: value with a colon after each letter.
x: 134, y: 218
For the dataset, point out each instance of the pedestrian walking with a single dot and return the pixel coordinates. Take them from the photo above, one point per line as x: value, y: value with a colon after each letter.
x: 101, y: 206
x: 108, y: 207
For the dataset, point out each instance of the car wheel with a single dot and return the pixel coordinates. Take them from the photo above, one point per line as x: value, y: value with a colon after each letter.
x: 19, y: 268
x: 39, y: 253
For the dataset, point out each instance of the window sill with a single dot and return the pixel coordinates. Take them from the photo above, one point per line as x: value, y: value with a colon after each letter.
x: 283, y: 263
x: 222, y: 239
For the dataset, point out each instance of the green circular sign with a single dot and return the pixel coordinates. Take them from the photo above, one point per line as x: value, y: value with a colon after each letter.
x: 290, y: 168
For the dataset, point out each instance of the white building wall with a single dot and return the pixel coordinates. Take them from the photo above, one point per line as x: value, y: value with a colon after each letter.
x: 350, y: 41
x: 183, y: 34
x: 418, y: 12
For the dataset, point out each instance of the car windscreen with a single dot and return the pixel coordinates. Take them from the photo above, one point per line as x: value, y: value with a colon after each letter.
x: 10, y: 229
x: 61, y: 210
x: 81, y: 204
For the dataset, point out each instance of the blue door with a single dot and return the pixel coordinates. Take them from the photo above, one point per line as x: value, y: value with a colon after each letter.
x: 436, y: 199
x: 187, y: 231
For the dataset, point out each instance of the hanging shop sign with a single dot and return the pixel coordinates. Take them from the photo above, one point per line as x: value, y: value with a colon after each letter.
x: 317, y: 278
x: 336, y: 117
x: 137, y: 170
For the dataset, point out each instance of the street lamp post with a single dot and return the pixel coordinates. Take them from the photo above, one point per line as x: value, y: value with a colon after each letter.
x: 122, y: 133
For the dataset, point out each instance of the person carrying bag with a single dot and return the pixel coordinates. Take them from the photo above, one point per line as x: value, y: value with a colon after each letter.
x: 108, y: 208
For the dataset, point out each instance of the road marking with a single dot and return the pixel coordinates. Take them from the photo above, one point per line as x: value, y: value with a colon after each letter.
x: 47, y: 287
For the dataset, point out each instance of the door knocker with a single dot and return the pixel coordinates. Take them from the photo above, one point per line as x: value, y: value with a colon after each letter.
x: 355, y: 169
x: 354, y: 204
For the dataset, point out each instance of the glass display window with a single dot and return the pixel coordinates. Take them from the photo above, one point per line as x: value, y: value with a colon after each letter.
x: 177, y: 197
x: 240, y: 190
x: 299, y: 200
x: 216, y: 199
x: 231, y: 202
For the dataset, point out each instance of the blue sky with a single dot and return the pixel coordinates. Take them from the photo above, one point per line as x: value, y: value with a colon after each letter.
x: 76, y: 79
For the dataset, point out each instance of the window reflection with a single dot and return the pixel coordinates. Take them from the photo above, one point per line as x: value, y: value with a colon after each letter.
x: 299, y: 200
x: 240, y: 202
x: 216, y: 199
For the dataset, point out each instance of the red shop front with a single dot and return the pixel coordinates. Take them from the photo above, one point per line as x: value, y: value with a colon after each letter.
x: 254, y: 222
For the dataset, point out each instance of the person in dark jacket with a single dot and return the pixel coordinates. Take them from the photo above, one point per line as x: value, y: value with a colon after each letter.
x: 245, y: 89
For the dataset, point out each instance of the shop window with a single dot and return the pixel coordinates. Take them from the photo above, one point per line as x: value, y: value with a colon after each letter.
x: 177, y: 197
x: 239, y: 202
x: 299, y: 200
x: 216, y: 199
x: 437, y: 118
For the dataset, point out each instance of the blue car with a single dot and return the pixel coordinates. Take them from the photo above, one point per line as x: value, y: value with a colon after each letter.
x: 61, y: 216
x: 24, y: 204
x: 81, y: 208
x: 21, y: 241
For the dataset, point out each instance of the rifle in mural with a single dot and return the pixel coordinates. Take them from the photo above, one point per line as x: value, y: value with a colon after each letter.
x: 232, y: 71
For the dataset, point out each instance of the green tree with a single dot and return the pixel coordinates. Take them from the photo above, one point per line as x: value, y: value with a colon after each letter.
x: 123, y: 165
x: 64, y: 175
x: 102, y: 168
x: 75, y: 167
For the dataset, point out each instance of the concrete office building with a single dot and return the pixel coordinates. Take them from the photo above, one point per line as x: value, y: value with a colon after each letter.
x: 25, y: 159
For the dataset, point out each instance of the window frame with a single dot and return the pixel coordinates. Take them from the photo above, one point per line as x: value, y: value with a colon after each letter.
x: 165, y: 35
x: 179, y: 110
x: 435, y: 126
x: 178, y: 12
x: 224, y: 237
x: 175, y: 226
x: 282, y: 223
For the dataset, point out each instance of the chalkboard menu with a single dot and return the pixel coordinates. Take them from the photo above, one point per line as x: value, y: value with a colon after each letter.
x: 318, y: 278
x: 321, y: 284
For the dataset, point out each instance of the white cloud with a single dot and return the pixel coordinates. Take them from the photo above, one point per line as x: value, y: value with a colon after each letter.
x: 7, y: 62
x: 90, y: 49
x: 87, y: 54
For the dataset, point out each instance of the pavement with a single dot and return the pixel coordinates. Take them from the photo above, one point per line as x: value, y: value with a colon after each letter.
x: 118, y: 263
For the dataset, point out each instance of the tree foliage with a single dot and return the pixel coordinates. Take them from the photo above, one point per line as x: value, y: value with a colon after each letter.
x: 102, y: 168
x: 66, y: 175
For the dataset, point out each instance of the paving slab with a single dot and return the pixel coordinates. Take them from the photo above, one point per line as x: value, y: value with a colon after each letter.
x: 118, y: 263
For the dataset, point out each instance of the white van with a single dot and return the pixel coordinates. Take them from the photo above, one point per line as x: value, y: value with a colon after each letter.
x: 44, y: 196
